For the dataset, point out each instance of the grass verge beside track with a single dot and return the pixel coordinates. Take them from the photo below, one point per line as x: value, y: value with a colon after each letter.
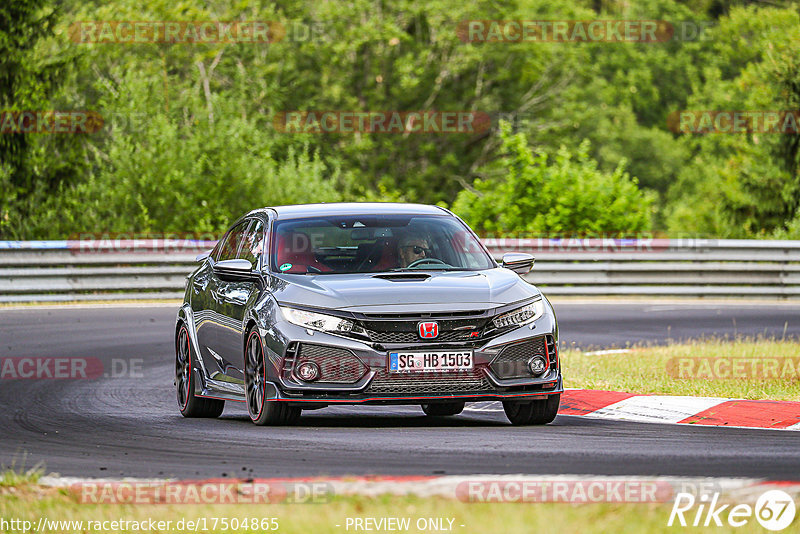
x: 30, y: 502
x: 744, y: 368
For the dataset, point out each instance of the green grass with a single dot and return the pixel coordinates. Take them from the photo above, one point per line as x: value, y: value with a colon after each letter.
x: 29, y: 503
x: 16, y: 477
x: 645, y: 370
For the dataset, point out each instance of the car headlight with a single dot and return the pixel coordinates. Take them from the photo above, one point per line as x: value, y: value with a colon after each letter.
x: 520, y: 316
x: 316, y: 321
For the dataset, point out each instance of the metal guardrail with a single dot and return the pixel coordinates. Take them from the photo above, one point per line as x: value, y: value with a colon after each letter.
x: 107, y: 270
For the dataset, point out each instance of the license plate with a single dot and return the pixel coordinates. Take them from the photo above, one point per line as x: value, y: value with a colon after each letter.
x: 447, y: 360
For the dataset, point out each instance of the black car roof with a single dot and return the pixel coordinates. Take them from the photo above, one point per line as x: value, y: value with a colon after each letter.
x: 354, y: 208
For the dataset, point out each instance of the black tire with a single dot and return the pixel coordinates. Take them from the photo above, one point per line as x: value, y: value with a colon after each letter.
x: 255, y: 383
x: 189, y: 404
x: 443, y: 409
x: 538, y: 412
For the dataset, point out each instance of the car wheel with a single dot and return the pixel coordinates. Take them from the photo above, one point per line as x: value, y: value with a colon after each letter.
x: 538, y: 412
x: 190, y: 404
x: 443, y: 409
x: 262, y: 412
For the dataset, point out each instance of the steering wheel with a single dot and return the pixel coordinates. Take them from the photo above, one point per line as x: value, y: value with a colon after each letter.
x: 422, y: 261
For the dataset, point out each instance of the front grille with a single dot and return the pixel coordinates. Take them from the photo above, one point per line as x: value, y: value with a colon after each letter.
x: 413, y: 337
x: 512, y: 362
x: 456, y: 326
x: 337, y: 366
x: 429, y: 383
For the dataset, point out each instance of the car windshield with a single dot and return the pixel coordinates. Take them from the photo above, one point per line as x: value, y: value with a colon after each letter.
x: 363, y: 244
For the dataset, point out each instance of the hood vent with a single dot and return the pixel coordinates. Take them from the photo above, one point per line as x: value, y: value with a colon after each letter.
x: 403, y: 277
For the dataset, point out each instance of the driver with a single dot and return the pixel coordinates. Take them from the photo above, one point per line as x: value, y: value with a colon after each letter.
x: 412, y: 248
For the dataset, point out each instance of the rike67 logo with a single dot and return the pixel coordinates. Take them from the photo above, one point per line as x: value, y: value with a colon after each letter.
x: 774, y: 510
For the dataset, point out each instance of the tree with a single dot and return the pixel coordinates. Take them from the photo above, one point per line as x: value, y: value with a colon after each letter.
x: 536, y: 194
x: 32, y: 166
x: 743, y: 184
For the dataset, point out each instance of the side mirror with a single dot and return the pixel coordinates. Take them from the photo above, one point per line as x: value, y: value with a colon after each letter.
x: 519, y: 262
x: 234, y: 270
x: 203, y: 255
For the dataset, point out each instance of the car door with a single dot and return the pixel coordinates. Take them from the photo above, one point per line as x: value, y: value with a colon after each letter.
x: 209, y: 319
x: 203, y: 305
x: 233, y: 296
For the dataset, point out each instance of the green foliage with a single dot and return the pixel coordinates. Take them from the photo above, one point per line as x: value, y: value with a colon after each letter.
x: 746, y: 184
x: 172, y: 175
x: 33, y: 69
x: 189, y: 142
x: 564, y: 195
x: 618, y: 96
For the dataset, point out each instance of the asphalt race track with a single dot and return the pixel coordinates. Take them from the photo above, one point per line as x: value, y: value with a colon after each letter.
x: 124, y: 426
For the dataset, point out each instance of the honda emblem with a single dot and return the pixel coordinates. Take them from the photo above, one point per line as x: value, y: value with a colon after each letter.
x: 428, y: 330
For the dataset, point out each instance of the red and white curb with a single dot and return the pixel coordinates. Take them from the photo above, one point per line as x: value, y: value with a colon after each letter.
x: 702, y: 411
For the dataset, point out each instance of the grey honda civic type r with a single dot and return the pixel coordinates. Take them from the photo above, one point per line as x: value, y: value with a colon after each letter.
x: 304, y: 307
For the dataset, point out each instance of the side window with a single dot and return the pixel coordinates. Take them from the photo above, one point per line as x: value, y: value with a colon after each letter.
x: 253, y: 243
x: 232, y: 241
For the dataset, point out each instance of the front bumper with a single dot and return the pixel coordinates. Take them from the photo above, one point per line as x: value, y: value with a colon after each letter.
x: 375, y: 385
